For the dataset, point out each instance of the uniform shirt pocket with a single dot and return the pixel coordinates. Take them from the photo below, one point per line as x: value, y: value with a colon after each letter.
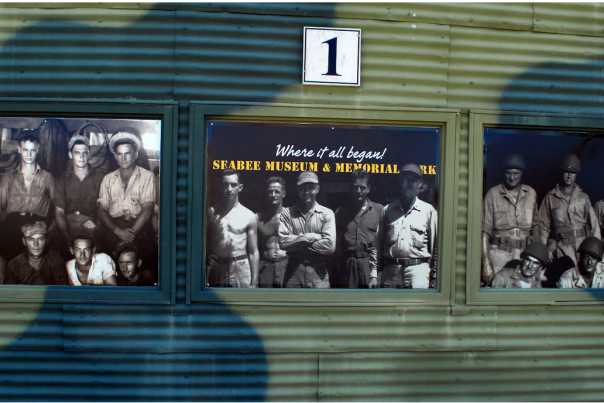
x: 418, y: 236
x: 559, y: 215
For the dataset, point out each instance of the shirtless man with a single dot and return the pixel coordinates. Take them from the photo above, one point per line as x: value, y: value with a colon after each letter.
x: 273, y: 260
x: 233, y: 258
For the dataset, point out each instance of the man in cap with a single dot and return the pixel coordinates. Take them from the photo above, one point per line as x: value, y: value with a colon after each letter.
x: 408, y: 233
x: 76, y: 195
x: 127, y: 197
x: 357, y: 224
x: 567, y: 217
x: 509, y: 217
x: 89, y: 267
x: 589, y: 272
x: 232, y: 257
x: 132, y: 272
x: 273, y: 259
x: 528, y: 273
x: 307, y: 231
x: 26, y: 193
x: 39, y: 265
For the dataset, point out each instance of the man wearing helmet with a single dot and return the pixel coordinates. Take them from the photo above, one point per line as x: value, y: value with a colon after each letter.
x: 567, y: 217
x: 588, y: 273
x: 509, y: 218
x: 528, y: 273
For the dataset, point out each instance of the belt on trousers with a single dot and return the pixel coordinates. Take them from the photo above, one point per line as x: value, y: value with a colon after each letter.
x: 508, y: 243
x: 406, y: 261
x: 307, y: 261
x: 512, y: 233
x: 221, y: 259
x: 276, y: 259
x: 571, y: 234
x: 350, y: 253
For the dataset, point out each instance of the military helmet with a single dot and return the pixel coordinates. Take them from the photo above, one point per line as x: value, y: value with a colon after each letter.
x: 571, y: 163
x: 592, y: 246
x: 536, y: 250
x: 514, y: 161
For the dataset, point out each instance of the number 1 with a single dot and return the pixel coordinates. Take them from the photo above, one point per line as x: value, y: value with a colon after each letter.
x: 332, y: 56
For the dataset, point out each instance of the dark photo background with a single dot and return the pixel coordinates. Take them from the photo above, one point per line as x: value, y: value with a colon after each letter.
x: 54, y: 134
x: 257, y: 141
x: 543, y: 152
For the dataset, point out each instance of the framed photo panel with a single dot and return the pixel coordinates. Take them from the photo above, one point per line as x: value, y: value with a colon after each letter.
x: 322, y: 204
x: 82, y: 207
x: 537, y: 209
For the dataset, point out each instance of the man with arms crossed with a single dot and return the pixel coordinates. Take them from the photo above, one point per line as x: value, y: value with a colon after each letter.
x: 273, y: 260
x: 307, y: 232
x: 233, y: 258
x: 510, y: 216
x: 357, y: 225
x: 76, y: 195
x: 408, y: 235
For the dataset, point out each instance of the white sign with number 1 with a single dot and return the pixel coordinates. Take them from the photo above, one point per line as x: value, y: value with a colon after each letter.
x: 332, y: 56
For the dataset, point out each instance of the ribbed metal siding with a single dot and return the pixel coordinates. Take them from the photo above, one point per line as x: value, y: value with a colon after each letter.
x: 495, y: 69
x: 242, y: 57
x: 296, y: 352
x: 570, y: 18
x: 516, y: 16
x: 462, y: 212
x: 182, y: 173
x: 86, y: 53
x: 500, y: 376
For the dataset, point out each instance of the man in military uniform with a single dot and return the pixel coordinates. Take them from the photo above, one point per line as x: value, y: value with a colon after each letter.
x: 567, y: 217
x: 357, y: 224
x: 509, y: 218
x: 589, y: 272
x: 526, y: 274
x: 599, y: 210
x: 307, y: 231
x: 408, y: 233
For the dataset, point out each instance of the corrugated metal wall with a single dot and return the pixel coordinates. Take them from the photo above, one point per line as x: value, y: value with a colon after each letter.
x: 541, y: 57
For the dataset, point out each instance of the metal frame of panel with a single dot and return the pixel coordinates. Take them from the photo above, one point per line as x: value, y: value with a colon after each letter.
x: 513, y: 120
x: 167, y: 111
x: 448, y: 121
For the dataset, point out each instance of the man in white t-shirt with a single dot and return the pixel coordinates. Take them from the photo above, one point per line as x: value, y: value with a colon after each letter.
x: 88, y: 267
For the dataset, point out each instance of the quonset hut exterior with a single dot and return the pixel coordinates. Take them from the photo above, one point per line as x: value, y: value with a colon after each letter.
x: 458, y: 67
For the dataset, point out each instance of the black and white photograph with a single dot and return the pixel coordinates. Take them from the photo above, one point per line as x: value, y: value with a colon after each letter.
x: 543, y: 209
x: 79, y: 201
x: 319, y: 205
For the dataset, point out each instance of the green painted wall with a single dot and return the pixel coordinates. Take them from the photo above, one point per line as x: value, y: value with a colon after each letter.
x: 531, y: 57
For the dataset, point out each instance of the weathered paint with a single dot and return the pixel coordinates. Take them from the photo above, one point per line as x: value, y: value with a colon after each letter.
x: 487, y: 56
